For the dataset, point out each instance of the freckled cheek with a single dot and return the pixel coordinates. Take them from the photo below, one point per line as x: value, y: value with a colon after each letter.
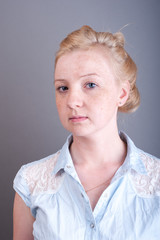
x: 59, y: 101
x: 60, y: 106
x: 100, y: 101
x: 103, y: 104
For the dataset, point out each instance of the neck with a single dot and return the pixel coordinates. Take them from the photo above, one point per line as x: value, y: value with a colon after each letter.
x: 98, y: 150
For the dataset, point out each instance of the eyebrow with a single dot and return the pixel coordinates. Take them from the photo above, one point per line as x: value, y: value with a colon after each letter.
x: 82, y: 76
x: 89, y: 74
x: 59, y: 80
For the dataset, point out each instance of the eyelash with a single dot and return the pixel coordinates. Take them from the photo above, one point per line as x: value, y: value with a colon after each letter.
x: 62, y: 89
x: 89, y: 85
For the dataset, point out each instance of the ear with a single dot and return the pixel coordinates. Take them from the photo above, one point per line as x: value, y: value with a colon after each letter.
x: 124, y: 93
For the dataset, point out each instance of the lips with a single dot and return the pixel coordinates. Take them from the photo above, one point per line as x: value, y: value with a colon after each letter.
x: 78, y: 118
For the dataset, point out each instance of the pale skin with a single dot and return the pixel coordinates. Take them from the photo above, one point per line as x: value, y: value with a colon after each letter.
x: 87, y: 96
x: 22, y: 220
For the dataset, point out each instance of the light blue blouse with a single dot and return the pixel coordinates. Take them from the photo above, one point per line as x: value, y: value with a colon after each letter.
x: 129, y: 209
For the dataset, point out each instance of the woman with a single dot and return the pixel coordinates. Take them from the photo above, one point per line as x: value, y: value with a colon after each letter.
x: 99, y: 185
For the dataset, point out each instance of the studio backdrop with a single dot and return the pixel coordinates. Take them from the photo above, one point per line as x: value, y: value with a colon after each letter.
x: 30, y: 33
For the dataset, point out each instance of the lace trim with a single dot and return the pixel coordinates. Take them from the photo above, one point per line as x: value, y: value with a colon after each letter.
x: 148, y: 185
x: 39, y: 176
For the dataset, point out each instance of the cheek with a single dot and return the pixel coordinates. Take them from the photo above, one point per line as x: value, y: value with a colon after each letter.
x: 102, y: 100
x: 59, y: 106
x: 59, y: 100
x: 104, y: 103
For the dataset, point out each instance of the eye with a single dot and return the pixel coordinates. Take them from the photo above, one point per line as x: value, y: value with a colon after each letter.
x: 91, y: 85
x: 62, y: 89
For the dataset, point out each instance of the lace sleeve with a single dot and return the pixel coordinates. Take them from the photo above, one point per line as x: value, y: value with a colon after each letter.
x: 20, y: 186
x: 37, y: 178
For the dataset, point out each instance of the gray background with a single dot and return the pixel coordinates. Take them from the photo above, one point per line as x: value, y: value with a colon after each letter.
x: 30, y: 31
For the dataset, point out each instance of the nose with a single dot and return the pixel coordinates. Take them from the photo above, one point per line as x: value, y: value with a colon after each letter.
x: 75, y: 99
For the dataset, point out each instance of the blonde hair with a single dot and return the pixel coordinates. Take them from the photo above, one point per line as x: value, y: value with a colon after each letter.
x: 124, y: 67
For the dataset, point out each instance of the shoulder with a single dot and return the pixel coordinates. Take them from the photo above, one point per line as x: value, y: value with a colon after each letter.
x: 139, y: 159
x: 151, y: 163
x: 147, y: 184
x: 43, y: 165
x: 144, y: 169
x: 38, y: 176
x: 42, y: 176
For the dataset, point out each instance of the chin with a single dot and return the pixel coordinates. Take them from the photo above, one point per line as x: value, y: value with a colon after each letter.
x: 83, y: 133
x: 79, y: 132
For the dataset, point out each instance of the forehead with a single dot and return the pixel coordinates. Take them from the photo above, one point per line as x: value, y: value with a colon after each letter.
x: 84, y: 61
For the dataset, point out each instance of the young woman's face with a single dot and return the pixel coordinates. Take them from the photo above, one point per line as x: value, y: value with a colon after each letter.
x: 87, y: 93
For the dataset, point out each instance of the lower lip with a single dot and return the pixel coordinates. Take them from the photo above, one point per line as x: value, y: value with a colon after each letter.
x: 79, y: 119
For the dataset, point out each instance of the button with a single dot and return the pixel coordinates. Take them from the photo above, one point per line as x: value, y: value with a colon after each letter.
x: 92, y: 225
x: 82, y: 195
x: 68, y: 166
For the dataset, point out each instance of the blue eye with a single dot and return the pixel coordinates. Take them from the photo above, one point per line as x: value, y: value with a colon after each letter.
x: 62, y: 89
x: 90, y: 85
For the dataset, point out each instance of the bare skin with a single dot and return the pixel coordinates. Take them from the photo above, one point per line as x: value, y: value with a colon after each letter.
x: 22, y: 220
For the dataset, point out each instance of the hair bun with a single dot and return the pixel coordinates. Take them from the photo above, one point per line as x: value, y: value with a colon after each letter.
x: 119, y: 39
